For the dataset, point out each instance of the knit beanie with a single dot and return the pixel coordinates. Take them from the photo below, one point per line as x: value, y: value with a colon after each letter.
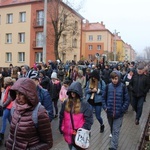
x: 54, y: 75
x: 95, y: 74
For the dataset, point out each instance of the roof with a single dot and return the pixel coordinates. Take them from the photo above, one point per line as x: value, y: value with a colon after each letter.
x: 76, y: 13
x: 4, y: 3
x: 96, y: 26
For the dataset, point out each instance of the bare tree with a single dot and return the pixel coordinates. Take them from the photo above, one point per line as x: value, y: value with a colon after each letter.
x: 60, y: 14
x: 147, y: 53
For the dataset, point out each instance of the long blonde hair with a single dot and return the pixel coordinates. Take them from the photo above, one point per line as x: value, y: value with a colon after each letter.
x: 74, y: 105
x: 93, y: 83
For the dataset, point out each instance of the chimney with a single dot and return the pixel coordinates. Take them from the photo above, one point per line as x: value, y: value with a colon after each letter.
x: 86, y: 23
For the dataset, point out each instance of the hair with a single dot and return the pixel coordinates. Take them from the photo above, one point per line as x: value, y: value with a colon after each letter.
x: 93, y: 83
x: 113, y: 75
x: 73, y: 103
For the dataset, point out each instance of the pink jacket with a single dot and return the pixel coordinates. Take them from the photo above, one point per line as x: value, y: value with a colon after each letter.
x: 67, y: 125
x: 63, y: 94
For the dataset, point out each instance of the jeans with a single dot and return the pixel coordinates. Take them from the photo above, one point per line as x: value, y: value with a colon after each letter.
x: 98, y: 114
x: 55, y: 102
x: 115, y: 126
x: 6, y: 115
x: 138, y: 106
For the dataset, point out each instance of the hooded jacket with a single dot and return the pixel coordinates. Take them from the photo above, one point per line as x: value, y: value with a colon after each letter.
x: 115, y: 98
x: 23, y: 133
x: 83, y: 119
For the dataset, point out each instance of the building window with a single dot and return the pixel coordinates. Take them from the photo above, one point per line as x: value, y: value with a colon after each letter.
x: 21, y: 37
x: 90, y: 37
x: 99, y: 37
x: 21, y: 56
x: 74, y: 43
x: 22, y: 16
x: 98, y: 47
x: 90, y: 56
x: 9, y: 18
x: 90, y: 47
x: 8, y: 38
x: 76, y: 25
x: 8, y: 57
x: 64, y: 39
x: 39, y: 39
x: 40, y: 18
x: 38, y: 57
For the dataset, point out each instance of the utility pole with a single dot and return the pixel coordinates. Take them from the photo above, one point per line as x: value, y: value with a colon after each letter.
x: 115, y: 45
x: 45, y: 31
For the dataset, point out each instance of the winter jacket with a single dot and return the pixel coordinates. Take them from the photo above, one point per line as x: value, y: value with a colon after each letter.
x: 139, y: 85
x: 7, y: 100
x: 98, y: 95
x: 115, y: 100
x: 82, y: 119
x: 106, y: 75
x: 54, y: 89
x: 23, y: 133
x: 46, y: 101
x: 63, y: 94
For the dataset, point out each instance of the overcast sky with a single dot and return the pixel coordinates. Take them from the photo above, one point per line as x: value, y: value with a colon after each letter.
x: 129, y: 17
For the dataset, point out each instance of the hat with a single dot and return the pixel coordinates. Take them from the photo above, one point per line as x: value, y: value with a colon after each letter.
x: 32, y: 74
x: 140, y: 67
x: 95, y: 74
x: 54, y: 75
x: 68, y: 82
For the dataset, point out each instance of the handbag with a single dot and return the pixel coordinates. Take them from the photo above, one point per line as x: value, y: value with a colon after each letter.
x: 81, y: 137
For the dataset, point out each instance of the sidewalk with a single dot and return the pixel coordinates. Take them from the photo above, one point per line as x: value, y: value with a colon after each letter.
x: 130, y: 134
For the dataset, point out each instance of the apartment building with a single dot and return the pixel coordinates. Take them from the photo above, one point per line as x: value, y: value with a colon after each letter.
x: 120, y: 48
x: 96, y: 39
x: 22, y: 29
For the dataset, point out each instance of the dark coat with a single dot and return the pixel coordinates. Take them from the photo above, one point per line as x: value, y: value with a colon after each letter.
x: 46, y: 101
x: 139, y: 85
x: 23, y: 133
x: 54, y: 89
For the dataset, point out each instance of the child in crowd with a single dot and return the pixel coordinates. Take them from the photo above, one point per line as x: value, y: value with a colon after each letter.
x: 115, y: 101
x: 63, y: 91
x: 81, y: 113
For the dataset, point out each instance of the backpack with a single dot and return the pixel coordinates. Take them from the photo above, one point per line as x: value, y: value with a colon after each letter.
x: 34, y: 113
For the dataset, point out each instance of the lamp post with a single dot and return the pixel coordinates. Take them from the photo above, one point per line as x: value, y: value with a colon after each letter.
x: 45, y: 31
x: 115, y: 45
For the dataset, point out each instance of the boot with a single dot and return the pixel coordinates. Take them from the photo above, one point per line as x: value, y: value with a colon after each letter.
x: 102, y: 128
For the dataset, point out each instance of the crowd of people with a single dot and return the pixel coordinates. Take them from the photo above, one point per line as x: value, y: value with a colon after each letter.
x: 30, y: 96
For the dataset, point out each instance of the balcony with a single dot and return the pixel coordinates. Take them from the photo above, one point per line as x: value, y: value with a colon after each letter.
x: 37, y: 44
x: 38, y: 23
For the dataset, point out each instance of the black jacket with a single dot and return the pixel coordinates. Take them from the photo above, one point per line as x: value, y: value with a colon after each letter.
x: 139, y: 85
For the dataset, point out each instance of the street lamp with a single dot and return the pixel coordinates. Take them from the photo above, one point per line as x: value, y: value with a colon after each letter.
x: 115, y: 45
x: 45, y: 31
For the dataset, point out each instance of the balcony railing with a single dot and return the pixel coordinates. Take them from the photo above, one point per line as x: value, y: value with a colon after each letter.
x: 38, y: 22
x: 37, y: 44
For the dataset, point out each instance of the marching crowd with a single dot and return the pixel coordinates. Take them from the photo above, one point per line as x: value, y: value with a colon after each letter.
x: 30, y: 96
